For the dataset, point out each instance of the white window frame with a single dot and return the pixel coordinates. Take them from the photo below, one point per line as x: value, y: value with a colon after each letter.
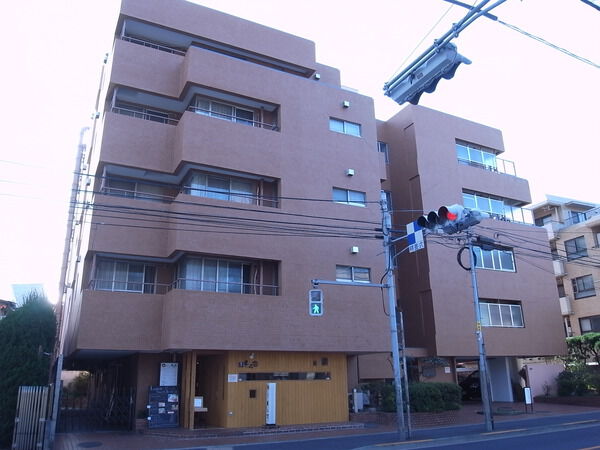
x: 345, y: 127
x: 348, y: 199
x: 221, y: 282
x: 354, y: 270
x: 230, y: 194
x: 384, y: 147
x: 488, y: 157
x: 146, y: 286
x: 233, y: 117
x: 496, y: 258
x: 514, y: 310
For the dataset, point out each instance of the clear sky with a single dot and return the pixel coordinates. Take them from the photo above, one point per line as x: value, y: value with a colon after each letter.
x: 545, y: 102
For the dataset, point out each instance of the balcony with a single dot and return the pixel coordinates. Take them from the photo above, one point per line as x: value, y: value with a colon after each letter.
x: 559, y: 268
x: 236, y: 116
x: 566, y: 306
x: 147, y: 114
x: 497, y: 165
x: 583, y: 216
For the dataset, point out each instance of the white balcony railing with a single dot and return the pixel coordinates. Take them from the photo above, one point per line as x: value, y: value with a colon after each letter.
x: 582, y: 216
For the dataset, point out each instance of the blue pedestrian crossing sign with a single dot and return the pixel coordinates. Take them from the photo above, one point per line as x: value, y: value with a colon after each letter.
x: 315, y: 302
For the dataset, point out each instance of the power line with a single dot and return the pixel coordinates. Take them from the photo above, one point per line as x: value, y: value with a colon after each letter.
x: 549, y: 44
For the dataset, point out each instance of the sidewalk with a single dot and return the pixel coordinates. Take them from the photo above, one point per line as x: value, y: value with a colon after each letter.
x: 172, y: 438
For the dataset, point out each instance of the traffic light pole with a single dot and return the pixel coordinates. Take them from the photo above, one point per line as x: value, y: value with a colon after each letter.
x: 484, y: 380
x: 403, y: 430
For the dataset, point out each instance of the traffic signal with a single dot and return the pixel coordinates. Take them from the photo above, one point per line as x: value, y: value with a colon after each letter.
x: 451, y: 219
x: 408, y: 87
x: 315, y: 302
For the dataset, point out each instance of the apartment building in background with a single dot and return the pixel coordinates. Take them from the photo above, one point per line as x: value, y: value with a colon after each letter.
x: 438, y: 159
x: 573, y: 229
x: 227, y: 170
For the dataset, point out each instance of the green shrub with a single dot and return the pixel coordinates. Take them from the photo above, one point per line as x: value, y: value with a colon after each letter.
x: 451, y: 395
x: 424, y: 397
x: 578, y: 381
x: 434, y: 397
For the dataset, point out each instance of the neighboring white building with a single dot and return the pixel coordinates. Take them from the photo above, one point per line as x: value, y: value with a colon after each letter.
x: 574, y: 232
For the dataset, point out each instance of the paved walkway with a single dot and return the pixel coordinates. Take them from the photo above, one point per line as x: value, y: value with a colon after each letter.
x: 178, y: 438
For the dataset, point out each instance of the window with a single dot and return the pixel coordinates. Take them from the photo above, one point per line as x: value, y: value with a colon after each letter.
x: 342, y: 126
x: 222, y: 187
x: 498, y: 208
x: 350, y: 273
x: 355, y: 198
x: 471, y: 155
x: 583, y: 286
x: 126, y: 276
x: 589, y: 324
x: 575, y: 217
x: 221, y: 275
x: 494, y: 259
x: 496, y: 314
x: 541, y: 221
x: 383, y: 147
x: 575, y: 248
x: 224, y: 111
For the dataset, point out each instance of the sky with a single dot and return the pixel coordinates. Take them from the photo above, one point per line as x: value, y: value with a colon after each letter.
x: 545, y: 102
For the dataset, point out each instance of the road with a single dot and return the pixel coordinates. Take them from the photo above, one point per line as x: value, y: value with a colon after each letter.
x: 568, y: 432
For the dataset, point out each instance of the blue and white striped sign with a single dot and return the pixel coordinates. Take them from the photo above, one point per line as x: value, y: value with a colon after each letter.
x: 414, y: 236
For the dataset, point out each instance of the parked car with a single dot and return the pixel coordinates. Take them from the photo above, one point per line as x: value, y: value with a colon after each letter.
x: 471, y: 386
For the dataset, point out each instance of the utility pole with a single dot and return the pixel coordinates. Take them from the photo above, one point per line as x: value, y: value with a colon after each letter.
x: 391, y: 287
x: 483, y: 369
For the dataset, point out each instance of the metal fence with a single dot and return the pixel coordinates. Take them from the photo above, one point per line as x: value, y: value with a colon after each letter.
x: 104, y: 409
x: 33, y: 412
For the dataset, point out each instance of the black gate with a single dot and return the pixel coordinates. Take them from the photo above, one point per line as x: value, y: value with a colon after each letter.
x: 100, y: 409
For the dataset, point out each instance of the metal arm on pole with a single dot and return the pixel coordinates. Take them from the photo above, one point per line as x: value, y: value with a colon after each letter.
x: 469, y: 18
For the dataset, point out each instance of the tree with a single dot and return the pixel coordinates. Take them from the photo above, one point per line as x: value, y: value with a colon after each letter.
x: 25, y: 336
x: 584, y: 348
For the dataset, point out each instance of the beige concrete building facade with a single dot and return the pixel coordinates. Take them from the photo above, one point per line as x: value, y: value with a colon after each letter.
x: 227, y: 169
x: 437, y: 159
x: 573, y: 229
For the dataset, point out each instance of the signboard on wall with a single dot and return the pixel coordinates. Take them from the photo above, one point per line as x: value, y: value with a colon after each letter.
x: 168, y: 374
x: 163, y: 407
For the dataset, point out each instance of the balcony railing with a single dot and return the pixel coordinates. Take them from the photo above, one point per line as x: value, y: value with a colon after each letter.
x: 190, y: 284
x: 160, y: 47
x: 154, y: 116
x: 501, y: 165
x: 129, y: 286
x: 116, y: 192
x: 233, y: 118
x: 579, y: 217
x: 194, y: 284
x: 514, y: 214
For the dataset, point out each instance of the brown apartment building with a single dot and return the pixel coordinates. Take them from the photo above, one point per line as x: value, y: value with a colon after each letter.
x: 226, y: 170
x: 437, y: 159
x: 574, y: 234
